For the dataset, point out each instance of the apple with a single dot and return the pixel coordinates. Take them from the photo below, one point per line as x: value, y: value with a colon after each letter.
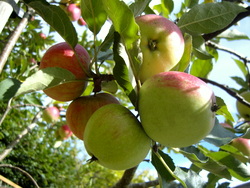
x: 242, y: 144
x: 242, y: 109
x: 80, y: 110
x: 115, y: 139
x: 162, y: 45
x: 51, y: 114
x: 175, y: 108
x: 42, y: 35
x: 62, y: 55
x: 81, y: 21
x: 73, y: 11
x: 65, y: 132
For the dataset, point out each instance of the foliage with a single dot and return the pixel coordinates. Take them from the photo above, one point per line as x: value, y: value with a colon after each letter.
x: 56, y: 163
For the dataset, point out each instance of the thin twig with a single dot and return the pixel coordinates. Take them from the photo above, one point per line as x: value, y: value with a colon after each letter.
x: 144, y: 184
x: 126, y: 178
x: 228, y: 90
x: 219, y: 47
x: 21, y: 170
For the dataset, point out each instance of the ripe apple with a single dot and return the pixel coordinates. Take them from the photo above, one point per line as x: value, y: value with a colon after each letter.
x: 42, y: 35
x: 62, y: 55
x: 175, y: 108
x: 162, y: 45
x: 115, y: 139
x: 51, y: 114
x: 65, y: 132
x: 242, y: 144
x: 73, y: 11
x: 242, y: 109
x: 81, y: 21
x: 80, y: 110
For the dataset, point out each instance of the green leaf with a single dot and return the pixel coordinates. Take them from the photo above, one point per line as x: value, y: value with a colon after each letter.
x: 242, y: 82
x: 233, y: 34
x: 241, y: 66
x: 56, y: 18
x: 93, y: 12
x: 199, y: 48
x: 45, y: 78
x: 219, y: 135
x: 123, y: 21
x: 209, y: 17
x: 121, y: 72
x: 163, y: 172
x: 223, y: 110
x: 201, y: 68
x: 9, y: 88
x: 139, y: 6
x: 237, y: 169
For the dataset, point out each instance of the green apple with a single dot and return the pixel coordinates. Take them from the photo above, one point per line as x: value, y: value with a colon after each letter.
x: 63, y: 56
x: 162, y: 45
x: 81, y: 109
x: 175, y: 108
x: 51, y: 114
x: 242, y: 109
x: 115, y: 139
x: 242, y: 144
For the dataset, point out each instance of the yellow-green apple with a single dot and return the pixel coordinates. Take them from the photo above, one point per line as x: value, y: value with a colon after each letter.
x: 162, y: 45
x: 115, y: 138
x: 80, y: 110
x: 242, y: 109
x: 64, y: 132
x: 77, y: 61
x: 175, y: 108
x: 51, y: 114
x: 242, y: 144
x: 73, y: 11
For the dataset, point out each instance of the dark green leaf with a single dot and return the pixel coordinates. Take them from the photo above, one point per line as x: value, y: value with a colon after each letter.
x: 223, y: 110
x: 57, y: 19
x: 219, y: 135
x: 161, y: 169
x: 139, y: 6
x: 93, y: 12
x: 240, y: 81
x: 45, y: 78
x: 209, y: 17
x: 121, y: 72
x: 199, y: 48
x: 9, y: 88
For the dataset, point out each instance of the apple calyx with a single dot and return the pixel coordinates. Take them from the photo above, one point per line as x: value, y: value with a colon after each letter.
x: 152, y: 45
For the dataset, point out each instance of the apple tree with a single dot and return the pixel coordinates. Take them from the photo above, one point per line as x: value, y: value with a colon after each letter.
x: 156, y: 61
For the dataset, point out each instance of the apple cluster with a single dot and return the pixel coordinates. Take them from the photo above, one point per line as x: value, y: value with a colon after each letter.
x: 175, y: 108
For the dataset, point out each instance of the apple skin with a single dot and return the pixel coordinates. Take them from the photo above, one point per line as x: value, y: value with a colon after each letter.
x: 115, y: 139
x: 175, y: 108
x: 162, y: 45
x: 80, y: 110
x: 242, y: 144
x: 42, y: 35
x: 51, y: 114
x: 73, y: 11
x: 242, y: 109
x: 65, y: 132
x: 81, y: 22
x: 62, y: 55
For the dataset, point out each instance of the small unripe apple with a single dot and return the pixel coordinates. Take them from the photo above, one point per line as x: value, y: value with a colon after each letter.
x: 176, y: 108
x: 115, y: 139
x: 242, y: 144
x: 81, y: 109
x: 65, y: 132
x: 162, y: 45
x: 62, y: 55
x: 73, y: 11
x: 51, y: 114
x: 242, y: 109
x: 42, y: 35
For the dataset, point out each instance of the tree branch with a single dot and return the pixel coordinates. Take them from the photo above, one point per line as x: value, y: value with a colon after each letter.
x: 239, y: 17
x: 21, y: 170
x: 217, y: 46
x: 126, y: 178
x: 145, y: 184
x: 228, y: 90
